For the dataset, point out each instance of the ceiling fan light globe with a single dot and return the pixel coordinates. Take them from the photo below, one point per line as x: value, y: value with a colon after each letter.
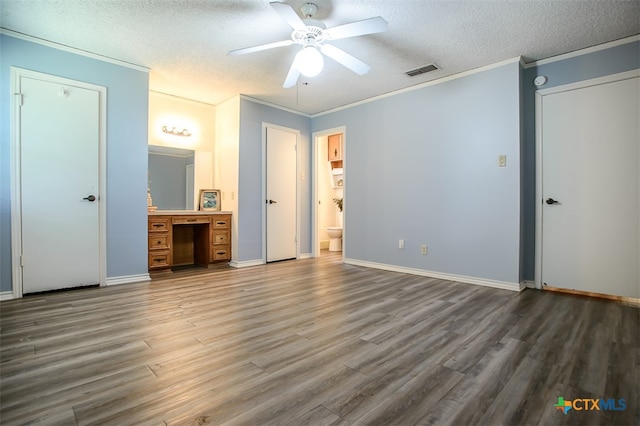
x: 310, y: 61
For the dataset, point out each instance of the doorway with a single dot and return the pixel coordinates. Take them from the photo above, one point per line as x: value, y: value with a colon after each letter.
x: 588, y: 189
x: 281, y: 224
x: 58, y: 184
x: 329, y: 184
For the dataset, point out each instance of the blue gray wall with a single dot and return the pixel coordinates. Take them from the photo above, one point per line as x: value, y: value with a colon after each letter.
x: 610, y: 61
x: 423, y: 166
x: 127, y: 115
x: 250, y: 184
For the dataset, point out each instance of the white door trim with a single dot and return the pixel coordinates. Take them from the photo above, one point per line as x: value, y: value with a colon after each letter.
x: 16, y: 184
x: 296, y: 132
x: 539, y: 189
x: 315, y: 239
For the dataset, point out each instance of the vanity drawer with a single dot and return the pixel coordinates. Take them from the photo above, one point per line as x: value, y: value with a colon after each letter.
x: 158, y: 224
x: 159, y: 241
x: 159, y: 259
x: 190, y: 220
x: 220, y: 237
x: 221, y: 253
x: 222, y: 222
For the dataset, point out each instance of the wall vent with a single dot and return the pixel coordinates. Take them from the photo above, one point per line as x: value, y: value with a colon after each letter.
x: 422, y: 70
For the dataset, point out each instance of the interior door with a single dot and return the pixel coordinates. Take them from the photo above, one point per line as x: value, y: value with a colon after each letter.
x: 59, y: 172
x: 281, y: 199
x: 591, y: 188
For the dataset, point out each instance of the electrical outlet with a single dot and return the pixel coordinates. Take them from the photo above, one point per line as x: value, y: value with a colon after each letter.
x: 401, y: 244
x: 424, y: 249
x: 502, y: 161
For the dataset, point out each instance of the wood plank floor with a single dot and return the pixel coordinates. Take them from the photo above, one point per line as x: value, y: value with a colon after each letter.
x: 315, y: 342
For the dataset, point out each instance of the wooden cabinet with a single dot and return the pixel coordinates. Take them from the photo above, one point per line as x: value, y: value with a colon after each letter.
x: 188, y: 239
x: 335, y: 148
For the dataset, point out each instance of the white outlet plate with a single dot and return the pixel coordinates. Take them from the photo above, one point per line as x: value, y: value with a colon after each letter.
x: 424, y: 249
x: 401, y: 244
x: 502, y: 161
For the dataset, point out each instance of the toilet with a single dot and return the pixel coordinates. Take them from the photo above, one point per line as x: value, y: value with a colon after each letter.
x: 335, y: 238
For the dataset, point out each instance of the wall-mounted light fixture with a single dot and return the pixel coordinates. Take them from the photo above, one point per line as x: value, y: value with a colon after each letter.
x: 176, y: 131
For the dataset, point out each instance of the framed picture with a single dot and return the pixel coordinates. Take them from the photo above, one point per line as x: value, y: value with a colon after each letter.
x: 210, y: 199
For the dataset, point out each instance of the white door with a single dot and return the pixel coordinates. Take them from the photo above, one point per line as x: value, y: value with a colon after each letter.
x: 281, y: 200
x: 590, y: 190
x: 59, y: 170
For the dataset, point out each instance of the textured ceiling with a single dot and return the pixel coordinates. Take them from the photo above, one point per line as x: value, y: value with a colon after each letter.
x: 185, y: 42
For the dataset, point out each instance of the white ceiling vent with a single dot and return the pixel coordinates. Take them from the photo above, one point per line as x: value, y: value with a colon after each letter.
x: 422, y: 70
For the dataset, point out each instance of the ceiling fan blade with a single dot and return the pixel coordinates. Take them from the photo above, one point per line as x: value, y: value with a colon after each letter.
x: 261, y: 47
x: 342, y: 57
x: 289, y: 15
x: 366, y: 26
x: 292, y: 76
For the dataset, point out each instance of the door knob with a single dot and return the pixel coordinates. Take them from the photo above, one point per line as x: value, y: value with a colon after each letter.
x: 272, y: 202
x: 552, y: 201
x: 91, y: 198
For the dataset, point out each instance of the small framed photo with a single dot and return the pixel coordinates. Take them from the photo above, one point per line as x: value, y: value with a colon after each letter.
x: 210, y: 199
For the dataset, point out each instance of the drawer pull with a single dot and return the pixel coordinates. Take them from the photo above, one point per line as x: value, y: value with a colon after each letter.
x: 159, y: 242
x: 220, y: 253
x: 159, y: 259
x: 191, y: 220
x: 158, y: 225
x: 221, y: 223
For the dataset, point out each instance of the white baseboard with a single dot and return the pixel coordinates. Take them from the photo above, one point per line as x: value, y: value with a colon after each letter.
x: 440, y: 275
x: 527, y: 284
x: 245, y: 263
x: 305, y: 256
x: 127, y: 279
x: 6, y: 295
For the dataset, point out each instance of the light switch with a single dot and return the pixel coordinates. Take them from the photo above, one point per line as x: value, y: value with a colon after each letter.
x: 502, y: 161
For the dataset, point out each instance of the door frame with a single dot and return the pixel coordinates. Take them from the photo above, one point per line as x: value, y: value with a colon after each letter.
x: 540, y: 94
x: 315, y: 239
x: 16, y: 161
x: 296, y: 132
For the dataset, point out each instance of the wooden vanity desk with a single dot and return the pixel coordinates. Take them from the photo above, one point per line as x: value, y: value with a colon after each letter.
x: 180, y: 238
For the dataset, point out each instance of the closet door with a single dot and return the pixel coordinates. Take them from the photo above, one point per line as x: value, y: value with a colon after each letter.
x: 590, y: 188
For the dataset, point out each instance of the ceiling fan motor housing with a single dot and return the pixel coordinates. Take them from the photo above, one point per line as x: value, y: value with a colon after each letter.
x: 313, y: 34
x: 308, y: 9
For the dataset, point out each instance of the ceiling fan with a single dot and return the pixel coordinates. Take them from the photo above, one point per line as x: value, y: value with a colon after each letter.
x: 314, y: 37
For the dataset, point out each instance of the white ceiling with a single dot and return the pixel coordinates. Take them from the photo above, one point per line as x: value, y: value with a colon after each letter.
x: 184, y: 43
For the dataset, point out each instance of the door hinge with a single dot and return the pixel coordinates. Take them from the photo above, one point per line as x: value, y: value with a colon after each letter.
x: 19, y: 99
x: 21, y: 261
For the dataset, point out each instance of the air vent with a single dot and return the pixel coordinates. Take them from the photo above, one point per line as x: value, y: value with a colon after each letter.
x: 422, y: 70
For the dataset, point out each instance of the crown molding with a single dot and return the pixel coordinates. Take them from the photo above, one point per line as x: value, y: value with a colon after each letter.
x: 584, y: 51
x: 70, y: 49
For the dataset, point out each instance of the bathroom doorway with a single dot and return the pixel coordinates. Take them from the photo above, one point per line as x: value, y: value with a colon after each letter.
x: 329, y: 192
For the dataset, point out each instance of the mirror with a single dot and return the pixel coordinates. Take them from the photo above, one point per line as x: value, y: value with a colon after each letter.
x: 171, y: 177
